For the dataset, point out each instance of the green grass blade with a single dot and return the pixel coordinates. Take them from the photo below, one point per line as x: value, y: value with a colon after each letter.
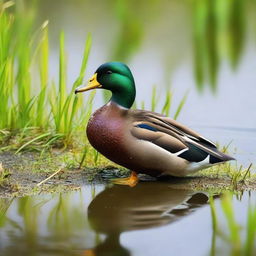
x: 180, y: 106
x: 86, y: 54
x: 167, y: 105
x: 44, y: 76
x: 33, y: 140
x: 153, y: 99
x: 62, y: 82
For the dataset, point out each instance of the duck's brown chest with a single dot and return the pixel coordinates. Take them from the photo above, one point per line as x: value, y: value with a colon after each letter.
x: 106, y: 130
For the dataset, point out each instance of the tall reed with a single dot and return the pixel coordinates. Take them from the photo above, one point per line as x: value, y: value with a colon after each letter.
x: 25, y: 100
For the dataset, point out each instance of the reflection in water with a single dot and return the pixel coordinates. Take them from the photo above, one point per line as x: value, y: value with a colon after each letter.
x: 150, y: 204
x: 4, y: 205
x: 90, y: 222
x: 44, y: 225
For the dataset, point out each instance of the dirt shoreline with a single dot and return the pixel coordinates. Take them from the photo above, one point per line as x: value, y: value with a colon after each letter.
x: 22, y: 178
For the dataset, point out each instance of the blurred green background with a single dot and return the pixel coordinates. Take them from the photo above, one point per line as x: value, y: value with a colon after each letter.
x: 206, y: 47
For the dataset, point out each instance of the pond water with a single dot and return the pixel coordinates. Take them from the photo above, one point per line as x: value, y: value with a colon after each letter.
x: 150, y: 219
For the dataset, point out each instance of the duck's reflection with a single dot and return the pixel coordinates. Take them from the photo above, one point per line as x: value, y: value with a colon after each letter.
x: 150, y: 204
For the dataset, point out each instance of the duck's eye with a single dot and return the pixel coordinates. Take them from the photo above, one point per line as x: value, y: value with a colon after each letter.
x: 109, y: 72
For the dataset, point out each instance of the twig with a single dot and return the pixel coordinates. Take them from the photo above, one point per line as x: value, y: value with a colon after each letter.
x: 1, y: 168
x: 43, y: 181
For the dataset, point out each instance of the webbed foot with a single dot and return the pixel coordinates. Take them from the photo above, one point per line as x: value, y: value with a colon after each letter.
x: 131, y: 181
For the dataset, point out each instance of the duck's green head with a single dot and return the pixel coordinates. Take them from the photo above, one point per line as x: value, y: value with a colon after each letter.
x: 116, y: 77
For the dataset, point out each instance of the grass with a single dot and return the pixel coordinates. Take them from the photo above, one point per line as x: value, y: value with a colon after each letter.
x: 65, y: 108
x: 167, y: 103
x: 52, y: 108
x: 29, y: 120
x: 233, y: 174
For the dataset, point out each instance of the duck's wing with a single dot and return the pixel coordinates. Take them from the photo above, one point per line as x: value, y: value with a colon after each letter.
x: 174, y: 137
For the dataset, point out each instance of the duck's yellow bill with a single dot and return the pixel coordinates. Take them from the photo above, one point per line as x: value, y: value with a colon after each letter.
x: 92, y: 84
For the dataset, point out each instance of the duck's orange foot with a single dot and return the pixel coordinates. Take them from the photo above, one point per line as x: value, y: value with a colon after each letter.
x: 130, y: 181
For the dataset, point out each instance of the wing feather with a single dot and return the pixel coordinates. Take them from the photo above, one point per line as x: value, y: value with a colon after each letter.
x: 174, y: 137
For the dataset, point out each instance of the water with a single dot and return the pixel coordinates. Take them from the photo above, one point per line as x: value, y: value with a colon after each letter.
x: 241, y: 141
x: 150, y: 219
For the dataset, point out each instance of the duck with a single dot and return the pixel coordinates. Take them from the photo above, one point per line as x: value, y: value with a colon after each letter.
x: 143, y: 141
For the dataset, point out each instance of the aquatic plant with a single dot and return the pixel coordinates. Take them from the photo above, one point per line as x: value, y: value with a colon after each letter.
x: 65, y: 108
x: 21, y: 111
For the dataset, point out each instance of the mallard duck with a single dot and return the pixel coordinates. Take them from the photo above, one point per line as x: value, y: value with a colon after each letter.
x: 143, y: 141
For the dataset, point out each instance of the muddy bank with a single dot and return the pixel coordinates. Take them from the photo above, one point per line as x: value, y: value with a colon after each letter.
x: 25, y: 171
